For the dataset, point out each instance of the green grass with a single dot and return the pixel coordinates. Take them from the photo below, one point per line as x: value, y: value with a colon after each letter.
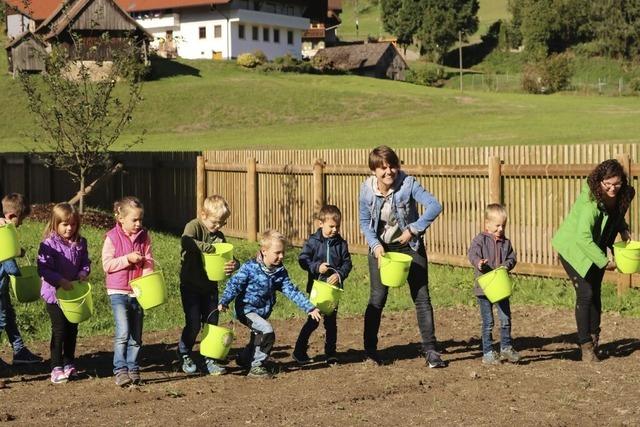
x: 369, y: 21
x: 449, y: 286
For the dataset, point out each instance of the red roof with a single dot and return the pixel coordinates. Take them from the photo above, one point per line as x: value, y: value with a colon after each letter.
x: 38, y: 10
x: 142, y: 5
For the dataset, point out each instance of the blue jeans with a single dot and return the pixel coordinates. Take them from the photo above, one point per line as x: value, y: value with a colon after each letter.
x: 504, y: 314
x: 128, y: 316
x: 8, y: 322
x: 197, y: 308
x: 261, y: 340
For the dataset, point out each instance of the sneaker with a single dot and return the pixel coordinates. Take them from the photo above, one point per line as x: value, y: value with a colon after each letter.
x: 25, y: 357
x: 434, y: 360
x: 70, y: 371
x: 58, y: 376
x: 491, y: 358
x: 122, y: 378
x: 510, y: 355
x: 301, y: 359
x: 213, y: 368
x: 373, y: 356
x: 188, y: 365
x: 332, y: 360
x: 259, y: 372
x: 134, y: 376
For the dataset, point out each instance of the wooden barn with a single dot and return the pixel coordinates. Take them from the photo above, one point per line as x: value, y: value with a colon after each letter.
x: 88, y: 19
x: 380, y: 60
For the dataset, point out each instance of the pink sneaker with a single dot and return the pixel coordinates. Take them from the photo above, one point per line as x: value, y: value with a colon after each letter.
x: 58, y: 376
x: 70, y: 371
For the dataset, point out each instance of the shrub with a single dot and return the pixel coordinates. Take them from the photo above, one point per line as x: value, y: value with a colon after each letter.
x: 549, y: 75
x: 634, y: 84
x: 247, y: 60
x: 427, y: 76
x: 260, y: 56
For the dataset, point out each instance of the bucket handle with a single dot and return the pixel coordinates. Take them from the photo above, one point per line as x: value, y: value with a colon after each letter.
x: 232, y: 321
x: 339, y: 276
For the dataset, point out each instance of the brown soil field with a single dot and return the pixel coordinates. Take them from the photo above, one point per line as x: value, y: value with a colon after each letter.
x: 550, y: 387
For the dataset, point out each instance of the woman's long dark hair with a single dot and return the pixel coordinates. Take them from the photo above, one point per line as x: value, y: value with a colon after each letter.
x: 609, y: 169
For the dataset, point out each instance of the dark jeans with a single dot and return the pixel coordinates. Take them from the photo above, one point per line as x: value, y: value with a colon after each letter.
x: 588, y: 301
x: 197, y: 308
x: 63, y: 337
x: 330, y: 325
x: 419, y: 288
x: 8, y: 321
x: 504, y: 314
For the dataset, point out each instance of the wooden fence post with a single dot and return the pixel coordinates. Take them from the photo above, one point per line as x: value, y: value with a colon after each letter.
x: 252, y: 200
x: 624, y: 280
x: 495, y: 180
x: 318, y: 185
x: 201, y: 183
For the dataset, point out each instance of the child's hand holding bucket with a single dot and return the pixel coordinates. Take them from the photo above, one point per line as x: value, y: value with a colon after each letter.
x: 222, y: 308
x: 315, y: 315
x: 65, y: 284
x: 230, y: 267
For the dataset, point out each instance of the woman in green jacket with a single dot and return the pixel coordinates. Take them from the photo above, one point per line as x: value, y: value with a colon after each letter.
x: 582, y: 240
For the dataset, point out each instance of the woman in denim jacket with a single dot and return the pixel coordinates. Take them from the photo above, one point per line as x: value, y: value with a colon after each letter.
x: 389, y: 221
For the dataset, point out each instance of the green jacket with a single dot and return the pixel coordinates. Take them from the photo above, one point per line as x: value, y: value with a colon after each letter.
x: 195, y: 240
x: 583, y: 237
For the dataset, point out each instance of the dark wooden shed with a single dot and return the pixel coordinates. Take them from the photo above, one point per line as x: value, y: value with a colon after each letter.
x: 26, y: 53
x: 381, y: 60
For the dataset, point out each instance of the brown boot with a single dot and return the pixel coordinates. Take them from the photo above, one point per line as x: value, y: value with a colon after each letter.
x: 588, y: 355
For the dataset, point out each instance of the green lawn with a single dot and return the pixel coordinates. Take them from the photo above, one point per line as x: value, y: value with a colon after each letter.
x: 369, y: 22
x: 449, y: 286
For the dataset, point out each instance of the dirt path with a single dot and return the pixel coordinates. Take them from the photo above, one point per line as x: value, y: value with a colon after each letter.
x: 548, y: 388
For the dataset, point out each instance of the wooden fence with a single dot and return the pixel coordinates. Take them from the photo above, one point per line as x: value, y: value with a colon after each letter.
x: 538, y: 185
x: 165, y: 182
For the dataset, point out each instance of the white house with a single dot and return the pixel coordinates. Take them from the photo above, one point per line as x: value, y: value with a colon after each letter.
x: 222, y: 29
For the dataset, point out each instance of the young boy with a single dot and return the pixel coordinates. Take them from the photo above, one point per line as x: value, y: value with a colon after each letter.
x: 15, y: 209
x: 491, y: 249
x: 254, y: 289
x: 199, y: 294
x: 325, y: 256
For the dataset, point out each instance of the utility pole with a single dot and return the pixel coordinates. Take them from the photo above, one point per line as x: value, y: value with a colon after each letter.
x: 460, y: 56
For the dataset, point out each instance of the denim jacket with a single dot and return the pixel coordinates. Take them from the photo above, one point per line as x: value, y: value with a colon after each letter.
x: 407, y: 192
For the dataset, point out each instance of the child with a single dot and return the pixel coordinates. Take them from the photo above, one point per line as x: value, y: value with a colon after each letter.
x: 325, y: 256
x: 199, y: 294
x: 14, y: 208
x: 126, y: 255
x: 63, y: 257
x: 254, y: 288
x: 491, y: 249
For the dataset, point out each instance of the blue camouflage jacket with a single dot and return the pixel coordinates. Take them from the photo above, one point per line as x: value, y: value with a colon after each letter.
x: 254, y: 289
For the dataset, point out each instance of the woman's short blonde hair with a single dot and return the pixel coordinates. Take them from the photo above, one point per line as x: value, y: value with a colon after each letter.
x: 216, y: 207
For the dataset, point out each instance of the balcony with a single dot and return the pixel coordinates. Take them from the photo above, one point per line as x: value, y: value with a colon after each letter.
x: 156, y: 21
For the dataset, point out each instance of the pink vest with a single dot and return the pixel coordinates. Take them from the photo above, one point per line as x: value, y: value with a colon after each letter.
x: 123, y: 246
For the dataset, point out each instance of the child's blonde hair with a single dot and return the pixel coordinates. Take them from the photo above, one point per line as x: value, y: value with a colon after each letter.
x: 216, y: 207
x: 16, y: 204
x: 123, y: 206
x: 62, y: 212
x: 495, y: 211
x: 329, y: 211
x: 268, y: 237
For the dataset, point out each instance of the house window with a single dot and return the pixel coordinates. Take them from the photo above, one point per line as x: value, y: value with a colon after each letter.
x: 290, y: 37
x: 265, y: 34
x: 217, y: 31
x: 241, y: 31
x: 276, y: 35
x: 270, y: 7
x: 290, y: 10
x: 254, y: 33
x: 202, y: 32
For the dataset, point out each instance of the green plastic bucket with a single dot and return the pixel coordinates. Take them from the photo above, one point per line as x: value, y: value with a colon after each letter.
x: 26, y: 286
x: 325, y: 296
x: 496, y: 284
x: 9, y: 246
x: 77, y: 303
x: 395, y: 269
x: 627, y: 256
x: 150, y: 290
x: 214, y: 262
x: 216, y: 341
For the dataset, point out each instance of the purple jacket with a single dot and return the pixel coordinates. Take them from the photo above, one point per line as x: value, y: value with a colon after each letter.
x: 58, y: 259
x: 497, y: 252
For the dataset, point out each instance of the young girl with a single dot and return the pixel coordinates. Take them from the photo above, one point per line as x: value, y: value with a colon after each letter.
x: 62, y: 258
x: 126, y: 255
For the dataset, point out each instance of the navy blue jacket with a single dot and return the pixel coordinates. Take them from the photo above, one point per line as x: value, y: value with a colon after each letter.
x: 318, y: 249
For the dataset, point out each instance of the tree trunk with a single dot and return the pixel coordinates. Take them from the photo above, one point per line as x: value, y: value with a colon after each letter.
x: 81, y: 206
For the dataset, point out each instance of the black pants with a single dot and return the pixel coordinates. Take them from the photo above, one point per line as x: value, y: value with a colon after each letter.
x: 63, y: 337
x: 418, y: 286
x: 588, y: 300
x: 197, y: 308
x: 330, y: 326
